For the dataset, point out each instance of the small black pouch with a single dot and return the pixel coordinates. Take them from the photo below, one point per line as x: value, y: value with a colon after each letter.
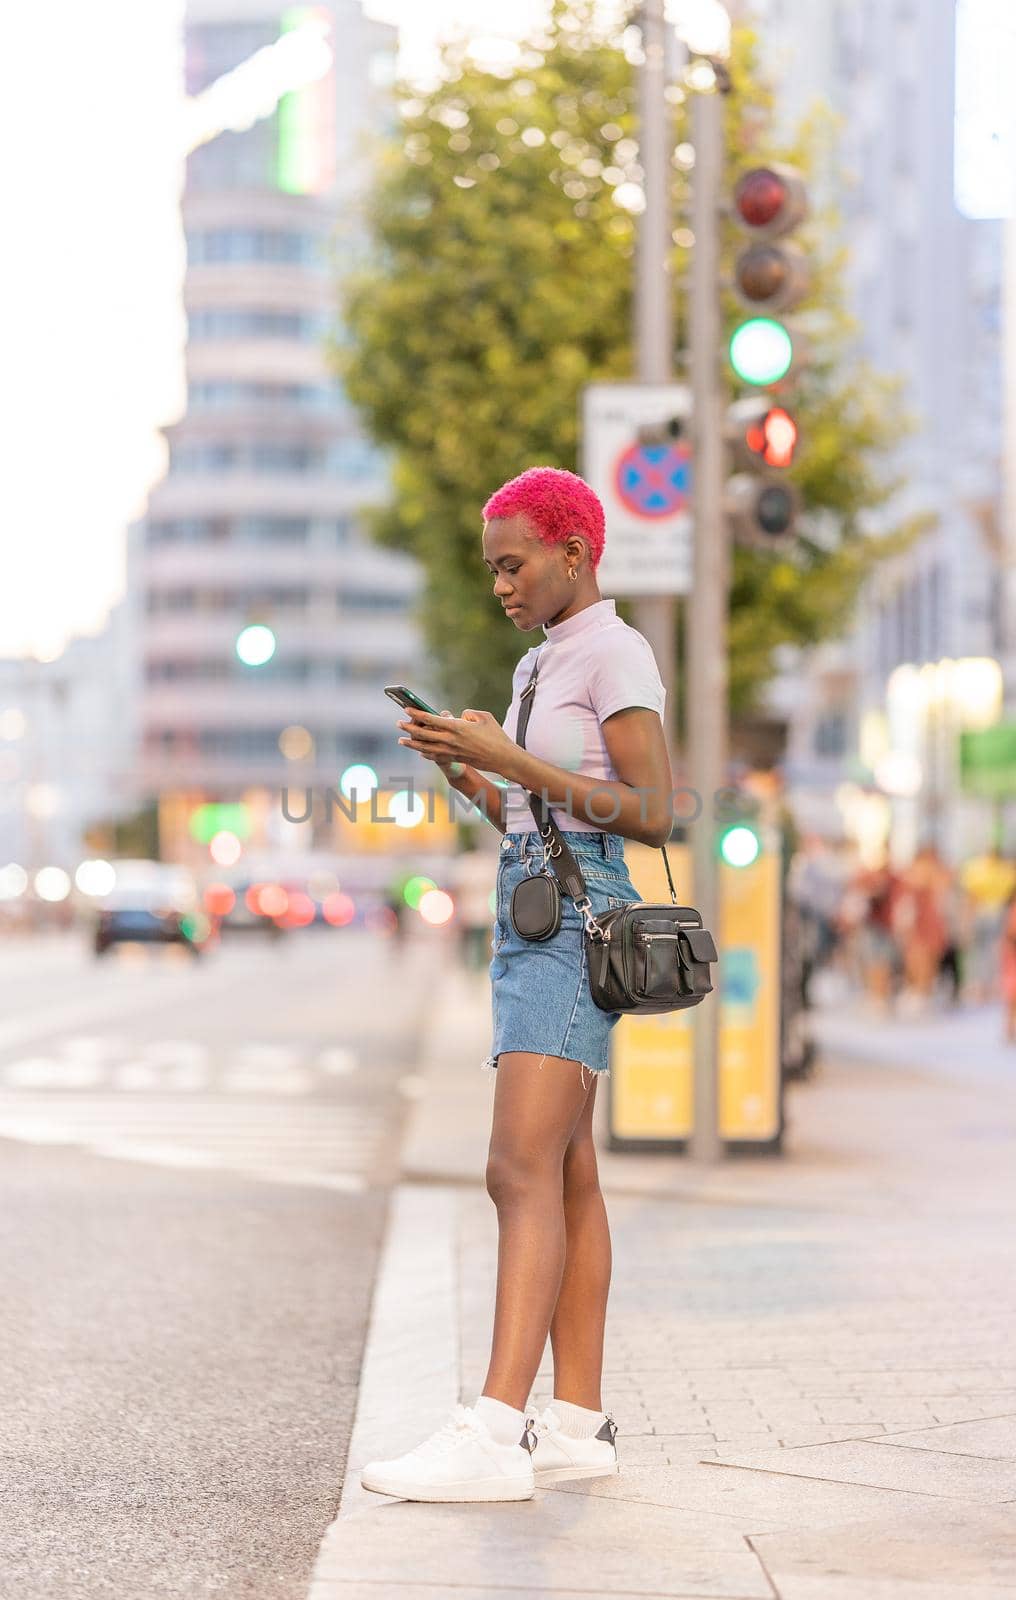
x: 535, y: 907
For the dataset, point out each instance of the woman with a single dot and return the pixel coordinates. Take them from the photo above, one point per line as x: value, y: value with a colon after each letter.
x: 595, y: 748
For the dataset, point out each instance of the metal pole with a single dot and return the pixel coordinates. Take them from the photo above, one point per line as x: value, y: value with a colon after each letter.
x: 654, y: 330
x: 706, y: 630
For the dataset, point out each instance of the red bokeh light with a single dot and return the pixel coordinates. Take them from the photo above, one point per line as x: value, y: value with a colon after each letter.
x: 760, y: 198
x: 272, y: 900
x: 338, y: 909
x: 219, y: 899
x: 774, y: 438
x: 299, y: 912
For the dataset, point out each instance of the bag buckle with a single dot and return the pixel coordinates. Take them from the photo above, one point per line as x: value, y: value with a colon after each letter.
x: 550, y: 849
x: 592, y: 927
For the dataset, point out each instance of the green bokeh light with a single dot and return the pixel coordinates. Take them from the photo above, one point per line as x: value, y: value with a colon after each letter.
x: 208, y: 820
x: 255, y: 644
x: 740, y: 846
x: 414, y: 889
x: 761, y: 351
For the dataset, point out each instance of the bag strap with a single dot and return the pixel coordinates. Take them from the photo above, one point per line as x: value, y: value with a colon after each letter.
x: 554, y: 846
x: 555, y: 849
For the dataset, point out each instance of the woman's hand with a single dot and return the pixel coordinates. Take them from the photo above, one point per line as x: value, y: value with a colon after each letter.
x: 475, y: 737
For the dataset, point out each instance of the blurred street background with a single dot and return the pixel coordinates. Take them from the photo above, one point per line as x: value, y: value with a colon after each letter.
x: 297, y: 286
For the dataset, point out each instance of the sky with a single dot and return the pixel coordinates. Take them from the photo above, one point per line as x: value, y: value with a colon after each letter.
x: 91, y: 279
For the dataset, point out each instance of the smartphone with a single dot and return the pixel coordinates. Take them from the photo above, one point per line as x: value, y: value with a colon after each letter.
x: 405, y: 697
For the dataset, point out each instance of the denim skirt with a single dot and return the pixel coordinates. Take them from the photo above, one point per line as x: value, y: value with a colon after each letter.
x: 540, y: 994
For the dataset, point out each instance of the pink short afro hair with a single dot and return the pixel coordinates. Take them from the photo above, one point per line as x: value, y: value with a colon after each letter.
x: 557, y: 503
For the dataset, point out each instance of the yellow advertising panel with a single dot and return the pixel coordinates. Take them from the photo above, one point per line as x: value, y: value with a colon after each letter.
x: 652, y: 1057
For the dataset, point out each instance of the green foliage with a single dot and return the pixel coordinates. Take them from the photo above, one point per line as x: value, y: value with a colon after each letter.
x: 498, y: 284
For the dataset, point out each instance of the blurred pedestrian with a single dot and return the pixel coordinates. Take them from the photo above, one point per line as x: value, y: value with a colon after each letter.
x: 1008, y: 967
x: 919, y: 922
x: 815, y: 887
x: 988, y: 881
x: 870, y: 905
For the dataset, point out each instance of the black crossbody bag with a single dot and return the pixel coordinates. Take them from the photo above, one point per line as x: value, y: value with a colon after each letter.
x: 640, y: 957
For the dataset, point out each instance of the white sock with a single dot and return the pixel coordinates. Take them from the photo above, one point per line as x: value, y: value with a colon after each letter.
x: 576, y: 1421
x: 505, y: 1423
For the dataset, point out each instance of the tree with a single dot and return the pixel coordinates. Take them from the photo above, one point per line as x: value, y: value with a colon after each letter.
x: 497, y: 283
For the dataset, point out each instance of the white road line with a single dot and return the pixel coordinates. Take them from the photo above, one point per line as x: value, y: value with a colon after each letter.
x: 296, y: 1143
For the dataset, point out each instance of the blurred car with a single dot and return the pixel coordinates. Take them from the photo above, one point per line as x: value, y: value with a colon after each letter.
x: 140, y: 924
x: 246, y: 907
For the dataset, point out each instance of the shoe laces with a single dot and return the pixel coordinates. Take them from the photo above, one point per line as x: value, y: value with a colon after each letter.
x: 462, y: 1422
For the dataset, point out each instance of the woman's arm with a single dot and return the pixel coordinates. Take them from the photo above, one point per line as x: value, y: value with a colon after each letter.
x: 490, y: 799
x: 638, y: 751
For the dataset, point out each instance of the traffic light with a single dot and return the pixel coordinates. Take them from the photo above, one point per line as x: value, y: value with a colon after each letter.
x: 739, y: 845
x: 762, y: 511
x: 770, y: 277
x: 763, y: 435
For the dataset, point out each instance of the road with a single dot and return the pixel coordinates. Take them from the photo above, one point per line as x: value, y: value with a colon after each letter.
x: 196, y: 1163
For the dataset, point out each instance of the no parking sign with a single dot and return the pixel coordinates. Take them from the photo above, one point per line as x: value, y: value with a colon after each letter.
x: 645, y: 487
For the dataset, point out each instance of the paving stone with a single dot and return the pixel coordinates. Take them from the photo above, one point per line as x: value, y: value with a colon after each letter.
x: 798, y: 1586
x: 964, y: 1547
x: 637, y: 1548
x: 992, y: 1437
x: 754, y: 1502
x: 879, y: 1465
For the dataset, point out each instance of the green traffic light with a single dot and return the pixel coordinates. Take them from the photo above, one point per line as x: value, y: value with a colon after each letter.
x: 761, y: 351
x: 740, y: 846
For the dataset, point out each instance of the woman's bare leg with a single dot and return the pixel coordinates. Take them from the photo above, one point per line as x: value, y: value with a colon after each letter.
x: 537, y: 1103
x: 577, y: 1328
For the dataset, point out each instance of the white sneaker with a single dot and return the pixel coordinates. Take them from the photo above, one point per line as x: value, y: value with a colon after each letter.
x: 460, y: 1461
x: 558, y: 1456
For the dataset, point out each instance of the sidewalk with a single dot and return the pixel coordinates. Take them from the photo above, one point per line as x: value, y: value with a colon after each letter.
x: 809, y: 1358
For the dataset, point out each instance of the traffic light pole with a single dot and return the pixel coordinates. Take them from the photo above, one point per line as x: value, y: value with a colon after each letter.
x: 654, y: 328
x: 706, y: 628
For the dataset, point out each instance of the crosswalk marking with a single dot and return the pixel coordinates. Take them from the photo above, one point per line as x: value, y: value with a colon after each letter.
x: 182, y: 1066
x: 330, y: 1147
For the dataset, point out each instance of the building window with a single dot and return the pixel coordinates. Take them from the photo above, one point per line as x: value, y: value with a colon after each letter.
x: 221, y: 530
x: 277, y: 245
x: 369, y: 600
x: 219, y: 394
x: 255, y: 322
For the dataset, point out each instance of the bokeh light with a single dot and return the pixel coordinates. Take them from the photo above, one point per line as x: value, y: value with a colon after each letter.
x: 225, y: 849
x: 52, y: 883
x: 436, y: 908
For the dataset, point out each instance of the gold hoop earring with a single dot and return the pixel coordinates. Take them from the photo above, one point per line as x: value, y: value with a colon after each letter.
x: 573, y: 575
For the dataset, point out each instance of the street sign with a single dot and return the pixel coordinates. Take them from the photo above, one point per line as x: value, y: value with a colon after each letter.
x: 988, y: 760
x: 645, y: 487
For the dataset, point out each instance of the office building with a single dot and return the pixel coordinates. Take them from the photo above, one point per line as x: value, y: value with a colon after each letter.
x: 259, y: 521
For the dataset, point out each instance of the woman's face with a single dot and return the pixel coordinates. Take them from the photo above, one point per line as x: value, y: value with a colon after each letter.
x: 531, y: 578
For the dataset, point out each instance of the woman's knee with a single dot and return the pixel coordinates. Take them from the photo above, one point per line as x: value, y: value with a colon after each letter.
x: 513, y: 1171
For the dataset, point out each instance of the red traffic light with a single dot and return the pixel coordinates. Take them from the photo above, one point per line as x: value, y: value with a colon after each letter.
x: 771, y: 200
x: 773, y: 437
x: 760, y: 198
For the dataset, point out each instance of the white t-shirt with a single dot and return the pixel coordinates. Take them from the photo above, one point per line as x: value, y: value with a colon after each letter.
x: 591, y: 665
